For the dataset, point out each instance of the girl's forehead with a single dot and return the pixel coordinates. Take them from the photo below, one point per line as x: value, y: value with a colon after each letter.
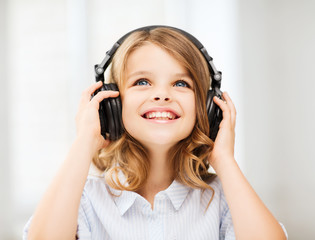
x: 151, y: 56
x: 151, y: 60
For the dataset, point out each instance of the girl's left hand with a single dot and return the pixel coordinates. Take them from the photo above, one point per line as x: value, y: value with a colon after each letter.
x: 223, y: 150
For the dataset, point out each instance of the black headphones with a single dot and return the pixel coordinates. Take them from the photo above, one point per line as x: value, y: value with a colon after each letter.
x: 110, y: 110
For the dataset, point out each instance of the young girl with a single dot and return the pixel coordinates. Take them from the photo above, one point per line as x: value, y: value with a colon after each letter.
x: 153, y: 182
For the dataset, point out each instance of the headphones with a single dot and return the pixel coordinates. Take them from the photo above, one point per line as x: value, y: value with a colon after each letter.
x: 110, y: 110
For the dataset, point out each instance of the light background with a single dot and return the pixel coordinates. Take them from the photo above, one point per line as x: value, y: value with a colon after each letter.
x: 264, y: 48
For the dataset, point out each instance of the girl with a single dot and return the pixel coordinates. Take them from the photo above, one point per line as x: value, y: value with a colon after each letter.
x: 153, y: 182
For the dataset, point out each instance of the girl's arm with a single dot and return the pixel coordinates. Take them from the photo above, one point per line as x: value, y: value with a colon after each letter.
x: 251, y: 218
x: 57, y: 213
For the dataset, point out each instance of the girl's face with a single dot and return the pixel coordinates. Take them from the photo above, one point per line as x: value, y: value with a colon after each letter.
x: 158, y: 101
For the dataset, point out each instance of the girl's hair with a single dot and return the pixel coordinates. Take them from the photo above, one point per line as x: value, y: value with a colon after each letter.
x: 189, y: 157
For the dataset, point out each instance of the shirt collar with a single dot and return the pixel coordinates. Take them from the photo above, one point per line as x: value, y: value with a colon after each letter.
x: 123, y: 199
x: 176, y: 192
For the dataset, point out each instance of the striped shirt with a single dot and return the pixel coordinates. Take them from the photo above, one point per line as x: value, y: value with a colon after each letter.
x: 179, y: 213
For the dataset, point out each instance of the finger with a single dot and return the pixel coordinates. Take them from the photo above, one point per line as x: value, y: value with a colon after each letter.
x: 100, y: 96
x: 86, y: 94
x: 105, y: 144
x: 223, y: 106
x: 231, y: 105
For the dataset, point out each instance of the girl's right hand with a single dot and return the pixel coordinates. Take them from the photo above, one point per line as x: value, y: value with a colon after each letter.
x: 87, y: 119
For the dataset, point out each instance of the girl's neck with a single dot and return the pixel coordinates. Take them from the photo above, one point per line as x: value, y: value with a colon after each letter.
x: 161, y: 171
x: 160, y: 176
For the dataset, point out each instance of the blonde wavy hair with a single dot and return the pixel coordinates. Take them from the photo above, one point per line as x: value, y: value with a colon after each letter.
x: 189, y: 157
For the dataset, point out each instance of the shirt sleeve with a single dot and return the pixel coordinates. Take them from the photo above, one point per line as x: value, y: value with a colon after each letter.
x: 284, y: 230
x: 84, y: 229
x: 26, y: 228
x: 226, y: 224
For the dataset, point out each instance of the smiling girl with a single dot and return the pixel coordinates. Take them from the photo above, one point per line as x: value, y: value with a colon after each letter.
x: 153, y: 182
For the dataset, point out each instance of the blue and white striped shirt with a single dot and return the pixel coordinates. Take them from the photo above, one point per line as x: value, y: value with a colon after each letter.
x: 179, y: 212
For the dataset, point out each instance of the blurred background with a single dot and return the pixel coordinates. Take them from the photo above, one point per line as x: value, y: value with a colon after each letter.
x: 264, y: 48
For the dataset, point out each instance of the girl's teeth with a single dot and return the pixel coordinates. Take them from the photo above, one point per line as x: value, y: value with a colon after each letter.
x: 160, y: 115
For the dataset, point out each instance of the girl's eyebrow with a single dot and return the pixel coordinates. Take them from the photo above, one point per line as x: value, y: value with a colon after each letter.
x: 182, y: 75
x: 139, y: 73
x: 178, y: 75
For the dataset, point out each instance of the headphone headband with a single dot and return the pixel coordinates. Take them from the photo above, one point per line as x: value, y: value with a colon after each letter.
x: 215, y: 74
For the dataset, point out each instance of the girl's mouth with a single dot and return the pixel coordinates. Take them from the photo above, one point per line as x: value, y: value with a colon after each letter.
x: 165, y: 115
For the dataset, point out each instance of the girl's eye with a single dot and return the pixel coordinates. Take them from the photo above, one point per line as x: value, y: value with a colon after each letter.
x: 181, y: 83
x: 141, y: 82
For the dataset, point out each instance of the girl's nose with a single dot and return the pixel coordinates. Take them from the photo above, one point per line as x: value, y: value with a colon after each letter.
x: 161, y: 93
x: 158, y: 98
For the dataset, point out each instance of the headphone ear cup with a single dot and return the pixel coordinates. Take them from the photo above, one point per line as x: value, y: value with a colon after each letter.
x: 118, y: 112
x: 116, y: 108
x: 109, y: 119
x: 214, y: 112
x: 110, y: 115
x: 102, y: 114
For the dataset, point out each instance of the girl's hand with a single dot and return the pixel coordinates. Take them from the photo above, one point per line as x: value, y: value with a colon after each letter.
x: 87, y: 119
x: 223, y: 151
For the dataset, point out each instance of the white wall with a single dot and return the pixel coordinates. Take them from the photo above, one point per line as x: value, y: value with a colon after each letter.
x: 36, y: 76
x: 279, y: 80
x: 5, y: 163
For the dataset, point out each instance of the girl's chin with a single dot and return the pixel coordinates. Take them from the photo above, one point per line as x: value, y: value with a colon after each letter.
x: 159, y: 138
x: 158, y: 143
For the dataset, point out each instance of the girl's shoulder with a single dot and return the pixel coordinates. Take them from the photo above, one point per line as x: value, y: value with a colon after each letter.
x: 215, y: 192
x: 95, y: 173
x: 95, y: 182
x: 215, y: 183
